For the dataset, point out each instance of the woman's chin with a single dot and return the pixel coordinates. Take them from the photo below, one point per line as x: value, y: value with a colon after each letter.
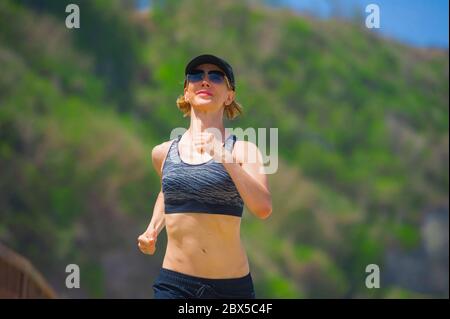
x: 203, y: 103
x: 203, y: 99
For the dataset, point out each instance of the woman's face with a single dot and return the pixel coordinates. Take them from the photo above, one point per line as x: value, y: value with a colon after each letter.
x: 205, y: 95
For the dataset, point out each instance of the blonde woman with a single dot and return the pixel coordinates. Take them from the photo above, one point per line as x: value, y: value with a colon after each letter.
x: 206, y: 178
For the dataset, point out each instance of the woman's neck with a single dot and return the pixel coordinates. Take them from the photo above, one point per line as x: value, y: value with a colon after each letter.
x: 201, y: 121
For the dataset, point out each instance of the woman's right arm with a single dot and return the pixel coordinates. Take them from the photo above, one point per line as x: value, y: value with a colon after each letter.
x: 147, y: 240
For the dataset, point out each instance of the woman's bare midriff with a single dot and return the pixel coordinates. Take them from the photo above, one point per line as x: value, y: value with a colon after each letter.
x: 205, y: 245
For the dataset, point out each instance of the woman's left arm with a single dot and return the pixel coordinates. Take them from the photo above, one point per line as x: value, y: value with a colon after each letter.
x: 247, y: 171
x: 245, y: 166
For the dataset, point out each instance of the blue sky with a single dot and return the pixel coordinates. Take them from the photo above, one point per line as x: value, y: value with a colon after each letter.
x: 422, y: 23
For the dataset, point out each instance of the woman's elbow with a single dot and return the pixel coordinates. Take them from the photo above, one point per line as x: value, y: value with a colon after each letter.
x: 264, y: 211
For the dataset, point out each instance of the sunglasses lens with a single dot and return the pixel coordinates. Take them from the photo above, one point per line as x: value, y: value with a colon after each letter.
x: 195, y: 76
x: 216, y: 77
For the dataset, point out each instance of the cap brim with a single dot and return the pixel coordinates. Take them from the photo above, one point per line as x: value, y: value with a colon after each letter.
x: 205, y: 59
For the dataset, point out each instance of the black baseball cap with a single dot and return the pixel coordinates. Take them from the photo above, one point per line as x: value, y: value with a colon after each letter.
x: 212, y: 59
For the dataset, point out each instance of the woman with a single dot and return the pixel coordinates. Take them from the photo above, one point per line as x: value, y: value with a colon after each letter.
x: 206, y: 178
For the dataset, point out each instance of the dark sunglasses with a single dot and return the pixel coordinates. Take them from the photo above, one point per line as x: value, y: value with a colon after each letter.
x: 215, y: 77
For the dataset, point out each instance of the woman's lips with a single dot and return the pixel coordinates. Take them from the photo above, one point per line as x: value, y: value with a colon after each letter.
x: 204, y: 92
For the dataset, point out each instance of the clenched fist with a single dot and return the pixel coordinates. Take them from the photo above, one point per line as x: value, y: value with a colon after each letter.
x: 207, y: 142
x: 147, y: 242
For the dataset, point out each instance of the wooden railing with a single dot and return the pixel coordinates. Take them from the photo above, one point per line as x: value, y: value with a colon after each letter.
x: 19, y: 279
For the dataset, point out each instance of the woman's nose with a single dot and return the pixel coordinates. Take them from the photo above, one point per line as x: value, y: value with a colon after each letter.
x: 205, y: 82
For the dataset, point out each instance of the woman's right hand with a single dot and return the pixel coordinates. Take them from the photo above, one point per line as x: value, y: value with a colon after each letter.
x: 147, y: 242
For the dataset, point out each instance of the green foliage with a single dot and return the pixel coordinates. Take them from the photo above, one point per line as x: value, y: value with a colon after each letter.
x: 407, y: 235
x: 277, y: 287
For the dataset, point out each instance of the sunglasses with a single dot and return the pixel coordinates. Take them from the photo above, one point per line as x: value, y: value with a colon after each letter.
x: 215, y: 77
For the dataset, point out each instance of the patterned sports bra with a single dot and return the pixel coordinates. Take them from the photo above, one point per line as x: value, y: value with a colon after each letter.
x: 201, y: 188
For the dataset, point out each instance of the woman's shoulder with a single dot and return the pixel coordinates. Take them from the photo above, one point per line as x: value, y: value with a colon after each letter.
x: 160, y: 149
x: 159, y: 153
x: 245, y: 150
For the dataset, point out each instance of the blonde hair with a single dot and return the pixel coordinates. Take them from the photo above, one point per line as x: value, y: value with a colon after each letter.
x: 232, y: 110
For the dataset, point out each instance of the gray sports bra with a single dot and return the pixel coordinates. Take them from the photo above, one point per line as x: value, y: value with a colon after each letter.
x: 202, y: 188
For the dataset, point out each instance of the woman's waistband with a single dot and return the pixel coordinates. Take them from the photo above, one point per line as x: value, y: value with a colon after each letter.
x: 179, y: 277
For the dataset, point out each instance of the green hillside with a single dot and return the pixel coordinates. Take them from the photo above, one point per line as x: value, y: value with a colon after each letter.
x: 363, y: 141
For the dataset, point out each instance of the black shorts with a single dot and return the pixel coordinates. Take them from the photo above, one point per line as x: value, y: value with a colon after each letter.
x: 175, y: 285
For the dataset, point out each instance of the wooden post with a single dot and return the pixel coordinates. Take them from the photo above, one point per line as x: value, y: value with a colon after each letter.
x: 19, y: 279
